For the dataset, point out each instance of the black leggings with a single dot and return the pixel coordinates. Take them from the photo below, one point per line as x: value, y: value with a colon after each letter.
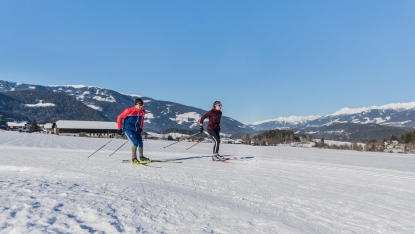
x: 216, y: 139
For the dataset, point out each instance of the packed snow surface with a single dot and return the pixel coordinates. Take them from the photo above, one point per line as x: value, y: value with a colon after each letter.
x: 49, y: 185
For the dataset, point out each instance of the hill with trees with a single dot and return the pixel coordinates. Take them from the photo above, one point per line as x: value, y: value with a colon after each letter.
x: 7, y: 105
x: 47, y: 106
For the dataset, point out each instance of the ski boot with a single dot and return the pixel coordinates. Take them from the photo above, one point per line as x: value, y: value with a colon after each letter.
x: 134, y: 156
x: 142, y: 158
x: 217, y: 157
x: 135, y: 161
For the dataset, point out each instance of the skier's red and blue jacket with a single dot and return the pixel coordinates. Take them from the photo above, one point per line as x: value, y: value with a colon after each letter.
x: 131, y: 119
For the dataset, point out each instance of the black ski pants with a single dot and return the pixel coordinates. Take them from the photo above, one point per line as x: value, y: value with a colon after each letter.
x: 216, y: 139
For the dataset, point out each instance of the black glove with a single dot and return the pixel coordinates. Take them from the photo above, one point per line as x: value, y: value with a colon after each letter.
x: 201, y: 128
x: 141, y: 130
x: 120, y: 132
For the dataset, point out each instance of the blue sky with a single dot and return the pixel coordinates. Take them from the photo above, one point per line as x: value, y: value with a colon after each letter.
x: 261, y: 59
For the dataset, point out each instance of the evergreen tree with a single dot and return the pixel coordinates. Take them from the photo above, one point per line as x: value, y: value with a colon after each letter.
x: 33, y: 127
x: 394, y: 138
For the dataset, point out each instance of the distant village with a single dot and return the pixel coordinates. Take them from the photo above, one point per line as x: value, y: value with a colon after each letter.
x: 108, y: 130
x: 94, y: 129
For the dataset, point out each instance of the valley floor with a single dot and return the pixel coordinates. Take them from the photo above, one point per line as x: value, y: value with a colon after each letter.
x: 49, y: 185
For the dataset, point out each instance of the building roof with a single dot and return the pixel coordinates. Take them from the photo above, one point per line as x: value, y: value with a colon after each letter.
x: 48, y: 126
x: 75, y: 124
x: 14, y: 124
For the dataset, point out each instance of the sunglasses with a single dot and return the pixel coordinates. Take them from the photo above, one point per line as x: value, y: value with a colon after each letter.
x: 141, y: 104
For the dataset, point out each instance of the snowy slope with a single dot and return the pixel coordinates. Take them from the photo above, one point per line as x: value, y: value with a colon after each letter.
x: 49, y: 185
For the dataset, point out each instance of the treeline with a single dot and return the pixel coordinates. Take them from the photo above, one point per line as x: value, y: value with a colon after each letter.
x: 354, y: 145
x: 275, y: 137
x: 408, y: 137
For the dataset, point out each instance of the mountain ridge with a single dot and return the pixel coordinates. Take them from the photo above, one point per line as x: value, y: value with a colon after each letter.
x: 353, y: 131
x: 160, y: 115
x: 394, y: 114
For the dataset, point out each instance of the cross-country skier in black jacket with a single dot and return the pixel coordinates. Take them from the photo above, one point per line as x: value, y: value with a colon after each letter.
x: 213, y: 127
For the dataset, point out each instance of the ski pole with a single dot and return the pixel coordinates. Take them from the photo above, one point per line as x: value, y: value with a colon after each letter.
x: 99, y: 148
x: 179, y: 141
x: 118, y: 148
x: 193, y: 145
x: 195, y: 134
x: 171, y: 144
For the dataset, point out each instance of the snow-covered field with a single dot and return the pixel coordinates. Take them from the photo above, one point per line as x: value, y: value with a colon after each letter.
x: 49, y: 185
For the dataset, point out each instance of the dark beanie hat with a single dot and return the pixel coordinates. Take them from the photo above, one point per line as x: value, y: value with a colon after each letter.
x: 138, y: 101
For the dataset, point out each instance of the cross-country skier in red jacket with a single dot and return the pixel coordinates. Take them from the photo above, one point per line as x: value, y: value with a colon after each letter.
x: 213, y: 128
x: 131, y: 120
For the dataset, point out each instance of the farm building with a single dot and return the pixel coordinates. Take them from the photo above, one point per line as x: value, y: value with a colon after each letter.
x: 84, y: 128
x: 48, y: 128
x: 16, y: 126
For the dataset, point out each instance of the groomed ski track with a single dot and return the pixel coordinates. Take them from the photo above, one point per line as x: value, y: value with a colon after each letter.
x: 49, y: 185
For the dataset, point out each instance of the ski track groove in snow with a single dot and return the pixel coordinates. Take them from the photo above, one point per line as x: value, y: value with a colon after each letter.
x: 48, y: 185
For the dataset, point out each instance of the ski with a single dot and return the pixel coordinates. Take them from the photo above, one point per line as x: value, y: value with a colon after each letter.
x: 229, y: 159
x: 246, y: 158
x: 155, y: 161
x: 164, y: 161
x: 139, y: 164
x: 226, y: 160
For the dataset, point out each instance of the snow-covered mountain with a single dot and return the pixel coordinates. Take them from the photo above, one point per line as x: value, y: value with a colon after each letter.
x: 160, y: 115
x: 395, y: 114
x: 283, y: 122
